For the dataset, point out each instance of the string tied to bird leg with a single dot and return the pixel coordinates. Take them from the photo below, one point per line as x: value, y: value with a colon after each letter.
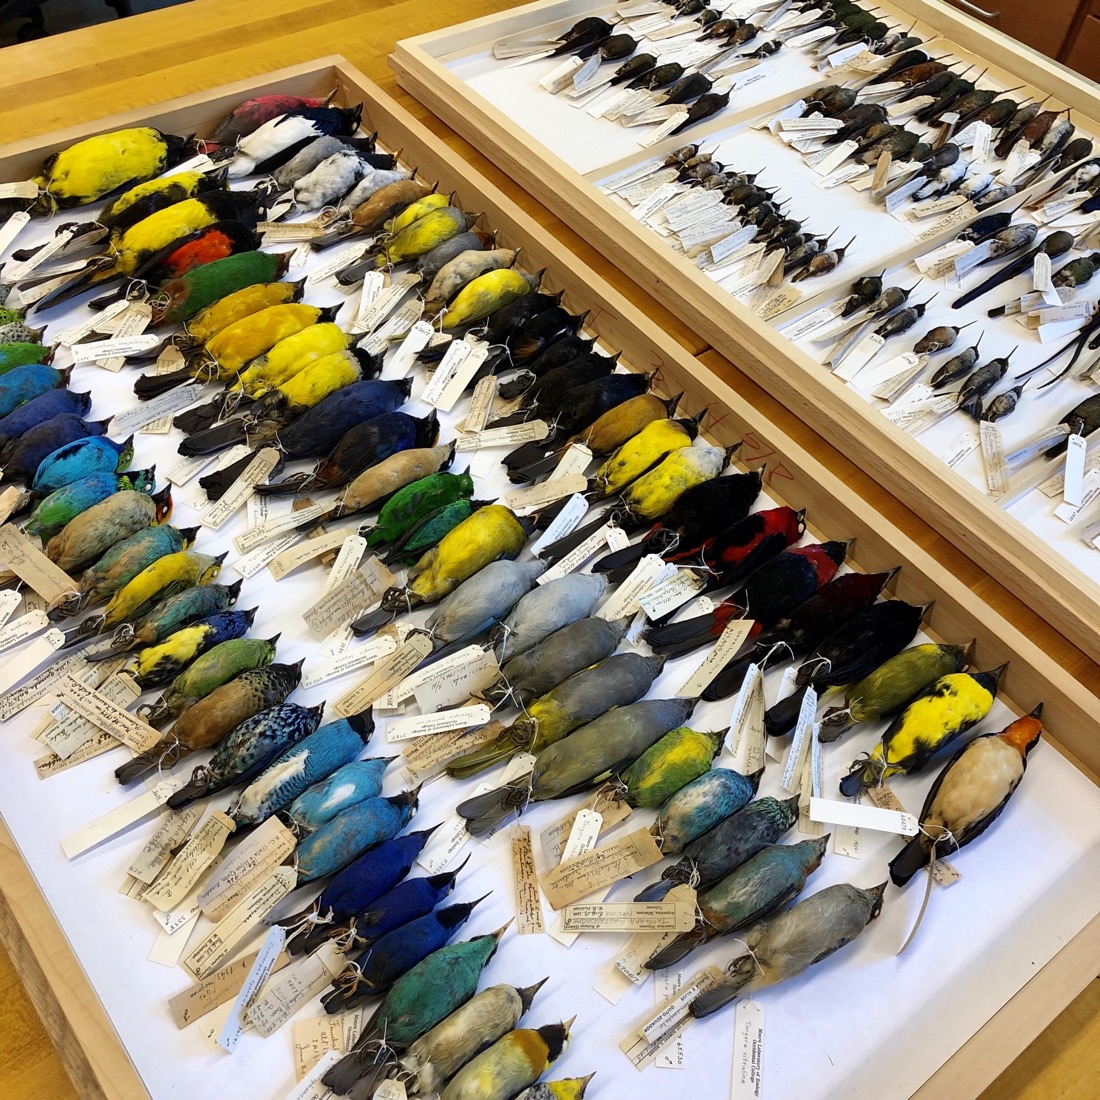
x: 752, y: 955
x: 350, y: 979
x: 774, y: 648
x: 307, y: 922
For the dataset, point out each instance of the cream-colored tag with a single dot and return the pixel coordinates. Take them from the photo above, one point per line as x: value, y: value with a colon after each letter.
x: 481, y: 404
x: 347, y: 562
x: 121, y: 346
x: 26, y: 626
x: 9, y: 500
x: 216, y: 990
x: 350, y: 661
x: 530, y: 431
x: 289, y: 560
x: 624, y: 600
x: 799, y: 751
x: 993, y: 454
x: 177, y: 879
x: 31, y: 566
x: 169, y: 361
x: 120, y: 818
x: 944, y: 873
x: 673, y: 1011
x: 310, y: 1087
x: 724, y: 650
x: 610, y: 810
x: 427, y: 725
x: 145, y: 415
x: 347, y: 601
x: 250, y: 863
x: 427, y: 756
x: 289, y: 231
x: 883, y: 796
x: 388, y: 673
x: 644, y: 945
x: 256, y: 536
x: 52, y: 764
x: 573, y: 879
x: 69, y: 733
x: 525, y: 881
x: 258, y: 470
x: 168, y: 948
x: 748, y: 1051
x: 668, y: 595
x: 836, y: 812
x: 534, y: 497
x: 454, y: 374
x: 157, y: 850
x: 299, y: 985
x: 260, y: 971
x: 315, y: 1037
x: 746, y: 738
x: 456, y: 684
x: 232, y: 929
x: 136, y: 735
x: 657, y: 916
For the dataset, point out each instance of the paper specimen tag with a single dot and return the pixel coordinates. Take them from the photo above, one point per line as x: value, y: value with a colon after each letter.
x: 122, y: 817
x: 1074, y: 487
x: 177, y: 879
x: 259, y: 972
x: 425, y: 725
x: 394, y: 1088
x: 350, y: 661
x: 441, y: 687
x: 676, y: 1009
x: 656, y: 916
x: 665, y: 597
x: 43, y: 255
x: 575, y: 878
x: 746, y: 738
x: 32, y: 566
x: 250, y: 862
x: 257, y: 471
x: 580, y: 554
x: 157, y: 850
x: 297, y: 986
x: 624, y: 600
x: 800, y: 743
x: 347, y: 601
x: 533, y: 497
x: 426, y: 756
x: 12, y: 228
x: 135, y: 734
x: 996, y: 473
x: 531, y: 431
x: 310, y: 1087
x: 729, y: 643
x: 564, y: 523
x: 26, y: 626
x: 528, y: 903
x: 481, y: 404
x: 279, y: 525
x: 447, y: 841
x: 289, y: 560
x: 220, y: 987
x: 316, y: 1036
x: 835, y: 812
x: 609, y: 809
x: 117, y: 345
x: 748, y: 1051
x: 388, y: 673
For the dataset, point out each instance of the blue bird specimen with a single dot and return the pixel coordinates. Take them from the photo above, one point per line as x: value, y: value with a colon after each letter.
x: 310, y: 760
x: 352, y: 832
x: 700, y: 805
x: 94, y: 455
x: 727, y: 845
x: 344, y: 788
x: 62, y: 505
x: 160, y: 664
x: 24, y: 384
x: 760, y: 886
x: 249, y: 748
x: 23, y: 456
x: 358, y: 886
x: 408, y: 900
x: 545, y: 609
x: 375, y: 969
x: 418, y: 1000
x: 42, y: 408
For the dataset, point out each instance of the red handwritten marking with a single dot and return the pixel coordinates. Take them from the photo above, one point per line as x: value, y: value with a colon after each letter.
x: 779, y: 471
x: 715, y: 421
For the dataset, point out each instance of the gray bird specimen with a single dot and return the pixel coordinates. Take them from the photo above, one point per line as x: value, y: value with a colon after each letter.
x: 785, y: 945
x: 546, y: 609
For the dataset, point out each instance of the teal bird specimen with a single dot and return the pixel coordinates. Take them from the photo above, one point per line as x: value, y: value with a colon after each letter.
x: 306, y: 763
x: 177, y: 611
x: 350, y: 833
x: 969, y: 794
x: 578, y: 645
x: 727, y: 845
x: 27, y: 382
x: 214, y: 668
x: 93, y: 455
x: 437, y: 1056
x: 785, y: 945
x: 581, y: 759
x: 546, y: 609
x: 161, y: 664
x: 62, y: 505
x: 760, y: 886
x: 700, y: 805
x: 249, y: 748
x: 419, y: 1000
x: 89, y: 535
x: 430, y: 531
x: 22, y: 457
x: 374, y: 970
x: 344, y: 788
x: 511, y: 1064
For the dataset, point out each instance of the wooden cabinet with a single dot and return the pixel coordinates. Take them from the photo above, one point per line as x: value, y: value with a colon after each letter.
x: 1042, y: 24
x: 1083, y: 51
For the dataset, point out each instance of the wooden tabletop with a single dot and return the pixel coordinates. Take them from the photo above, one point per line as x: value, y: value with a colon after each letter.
x: 84, y: 75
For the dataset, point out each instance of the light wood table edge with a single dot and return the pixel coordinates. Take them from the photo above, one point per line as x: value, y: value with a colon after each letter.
x: 73, y: 1015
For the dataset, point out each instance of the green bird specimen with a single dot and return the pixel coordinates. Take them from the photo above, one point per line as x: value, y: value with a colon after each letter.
x: 893, y: 684
x: 428, y: 532
x: 568, y: 1088
x: 512, y: 1063
x: 760, y: 886
x: 414, y: 503
x: 679, y: 758
x: 87, y: 537
x: 785, y: 945
x: 437, y: 1056
x: 416, y: 1002
x: 213, y: 669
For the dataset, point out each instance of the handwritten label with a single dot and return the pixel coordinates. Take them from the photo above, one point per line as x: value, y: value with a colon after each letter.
x: 348, y: 600
x: 298, y: 985
x: 31, y: 566
x: 728, y: 645
x: 993, y: 454
x: 573, y: 879
x: 426, y: 725
x: 426, y: 756
x: 528, y: 903
x: 122, y: 817
x: 258, y: 974
x: 216, y: 990
x: 748, y: 1051
x: 253, y: 860
x: 106, y: 715
x: 533, y: 497
x: 628, y: 917
x: 157, y: 850
x: 178, y: 878
x: 388, y: 674
x: 258, y: 470
x: 531, y: 431
x: 833, y: 811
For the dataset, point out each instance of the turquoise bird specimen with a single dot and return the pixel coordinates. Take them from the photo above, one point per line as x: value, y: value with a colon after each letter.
x: 306, y: 763
x: 86, y: 538
x: 762, y: 885
x: 161, y: 664
x: 249, y: 749
x: 42, y: 408
x: 339, y: 841
x: 510, y: 1065
x: 727, y: 845
x: 348, y: 785
x: 785, y: 945
x: 24, y: 383
x: 489, y: 1015
x: 361, y: 883
x: 94, y: 455
x: 126, y: 559
x: 205, y: 723
x: 66, y: 503
x: 578, y: 761
x: 969, y: 794
x: 546, y: 609
x: 419, y: 1000
x: 374, y: 970
x: 23, y: 456
x: 175, y: 612
x: 528, y: 675
x: 700, y: 805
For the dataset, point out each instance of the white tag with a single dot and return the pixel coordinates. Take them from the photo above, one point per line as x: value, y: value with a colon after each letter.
x: 345, y: 662
x: 624, y: 600
x: 800, y: 743
x: 655, y: 201
x: 446, y: 842
x: 235, y: 496
x: 564, y: 523
x: 336, y: 262
x: 122, y: 817
x: 996, y: 473
x: 670, y: 594
x: 531, y: 431
x: 959, y: 448
x: 26, y: 626
x: 27, y: 660
x: 835, y: 812
x: 120, y: 346
x: 347, y: 561
x: 373, y: 282
x: 42, y: 256
x: 729, y: 643
x: 404, y: 729
x: 745, y: 741
x: 562, y: 75
x: 859, y: 356
x: 384, y: 302
x: 411, y: 347
x: 165, y: 405
x: 580, y: 554
x: 748, y: 1051
x: 1073, y: 492
x: 258, y: 974
x: 476, y: 672
x: 12, y: 228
